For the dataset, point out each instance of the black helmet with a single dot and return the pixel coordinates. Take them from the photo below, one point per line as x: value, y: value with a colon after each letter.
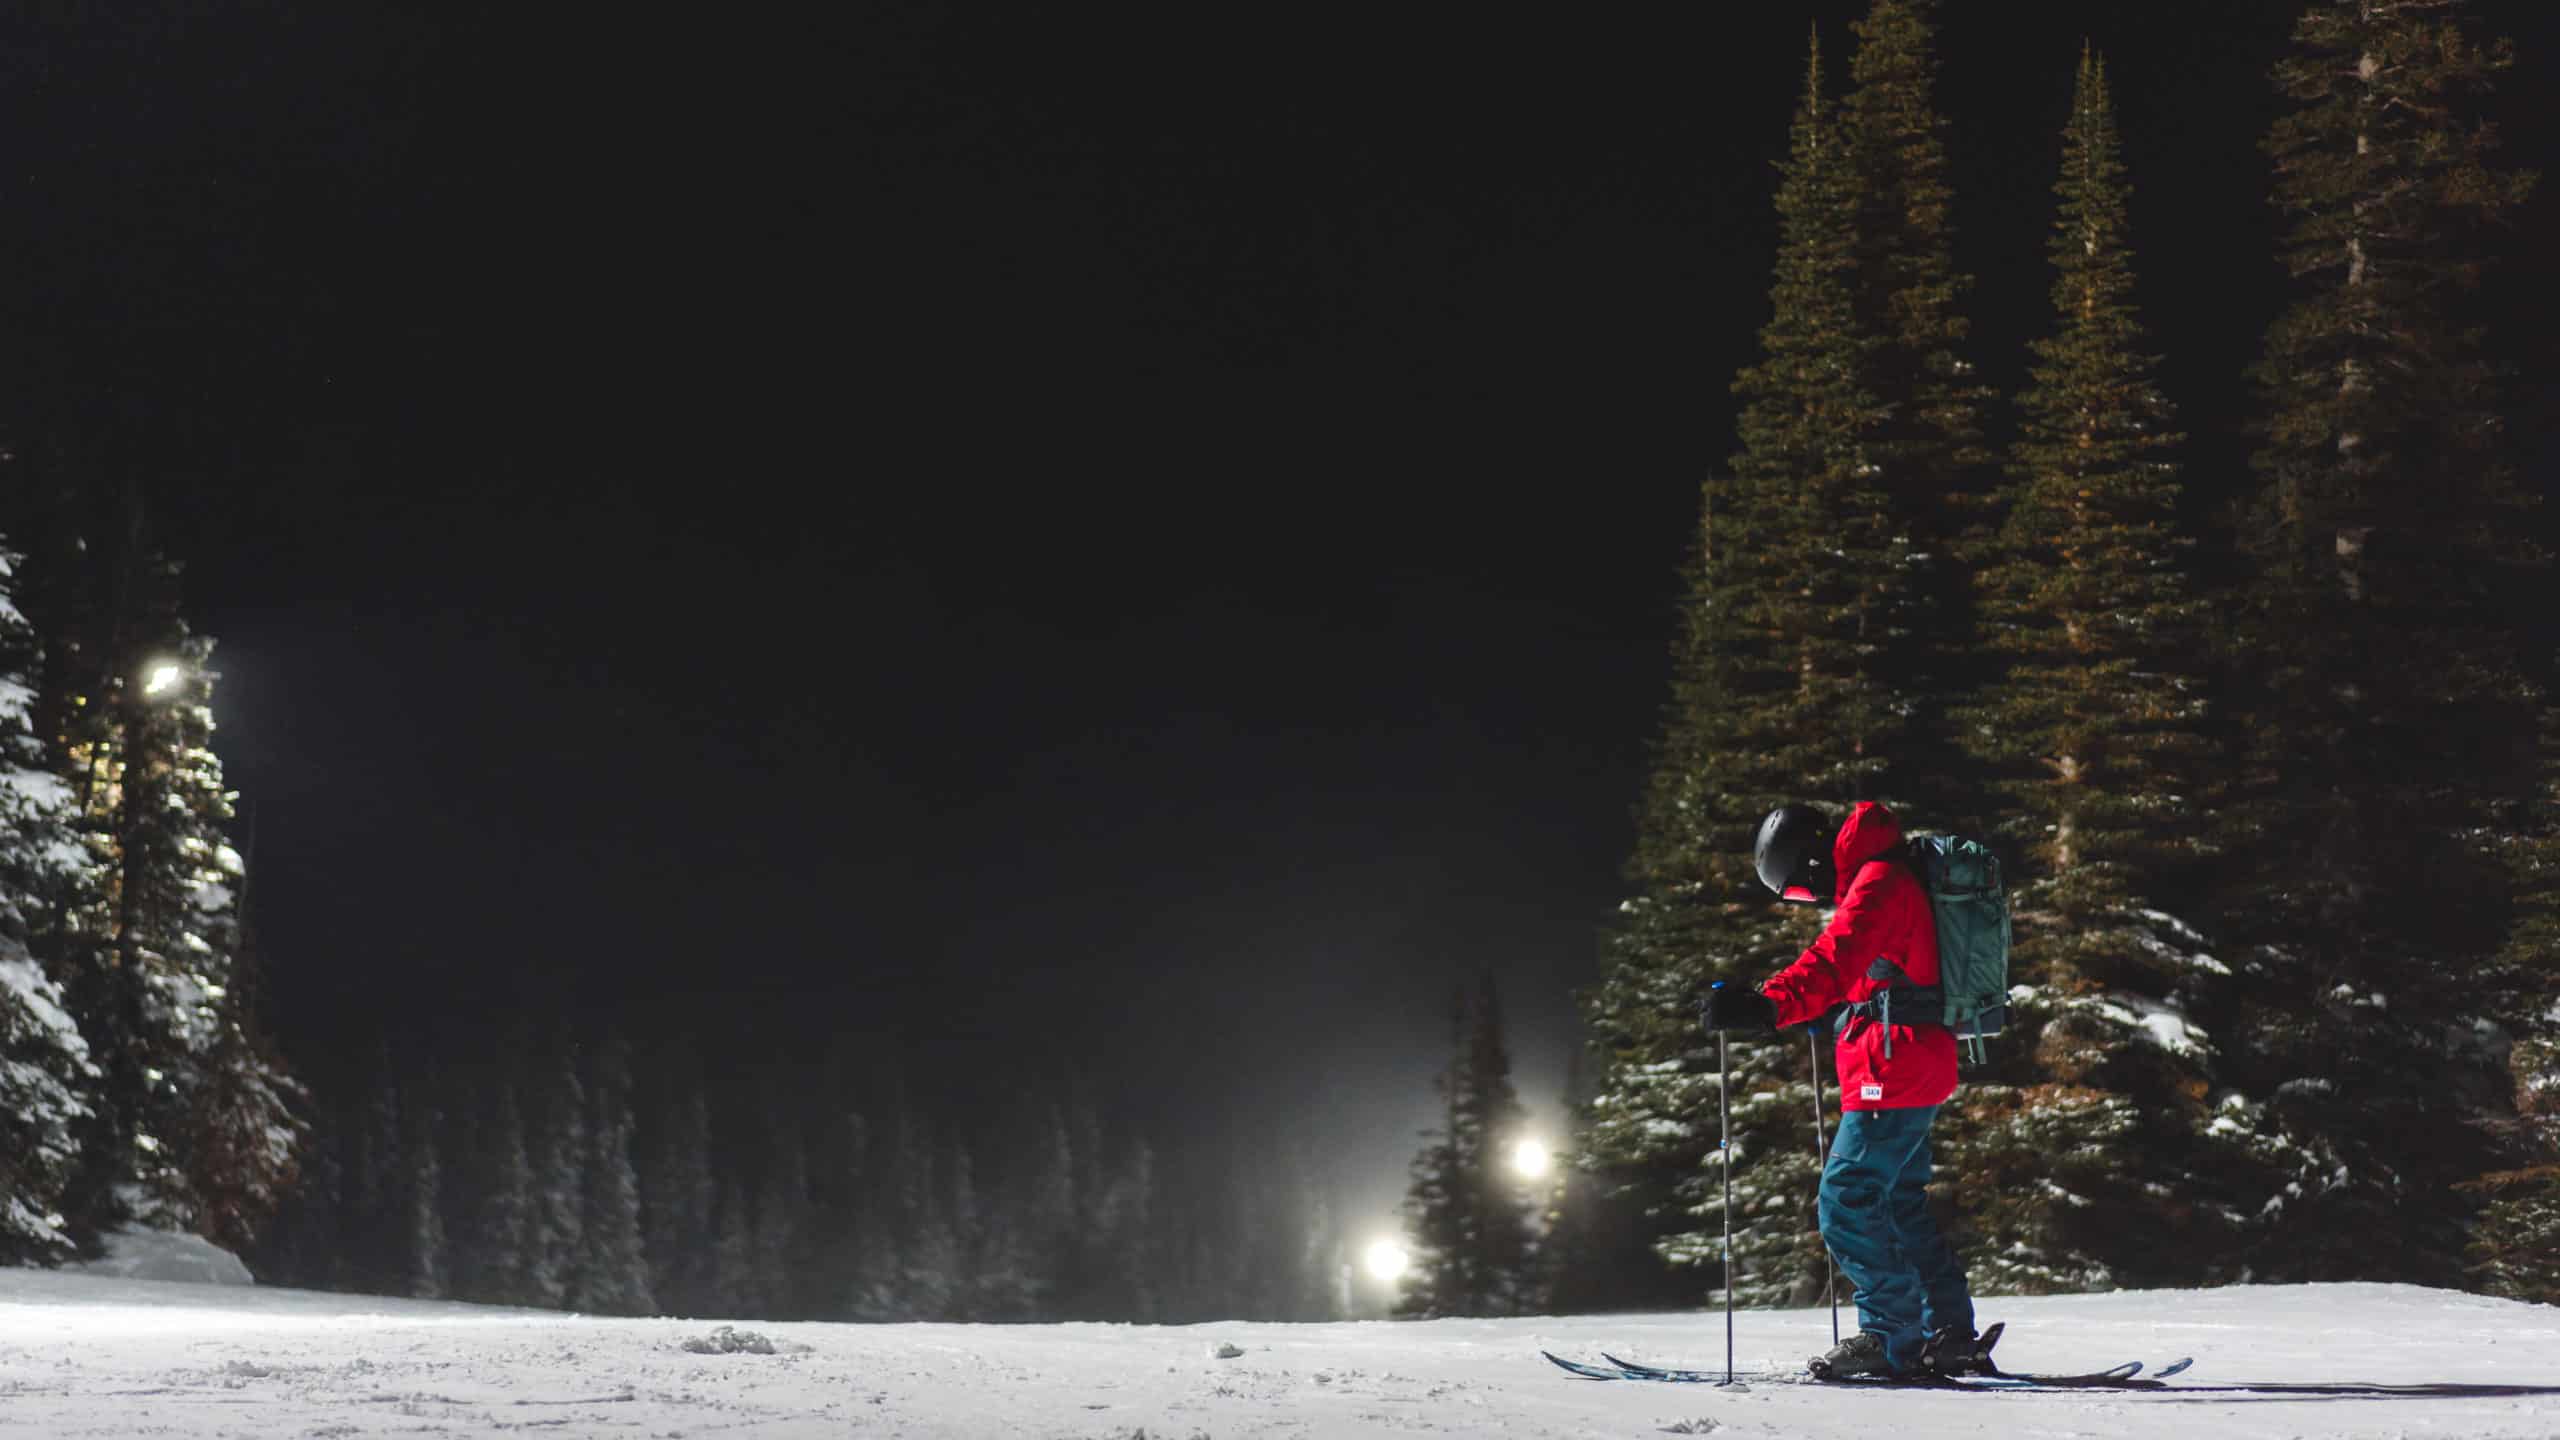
x: 1793, y: 854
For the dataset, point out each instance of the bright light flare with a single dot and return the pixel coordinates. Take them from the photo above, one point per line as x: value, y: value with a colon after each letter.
x: 1531, y: 1159
x: 1386, y: 1261
x: 161, y: 678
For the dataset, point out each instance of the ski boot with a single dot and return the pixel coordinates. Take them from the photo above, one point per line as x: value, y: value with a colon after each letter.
x: 1951, y: 1352
x: 1860, y: 1355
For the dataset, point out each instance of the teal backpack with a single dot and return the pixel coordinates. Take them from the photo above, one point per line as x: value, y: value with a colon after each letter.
x: 1972, y: 909
x: 1963, y: 880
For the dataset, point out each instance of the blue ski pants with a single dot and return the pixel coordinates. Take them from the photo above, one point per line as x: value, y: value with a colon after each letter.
x: 1875, y: 1218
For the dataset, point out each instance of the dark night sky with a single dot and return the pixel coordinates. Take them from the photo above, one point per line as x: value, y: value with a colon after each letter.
x: 1144, y: 530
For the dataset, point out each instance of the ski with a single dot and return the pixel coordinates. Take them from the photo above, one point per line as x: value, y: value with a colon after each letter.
x: 1616, y: 1370
x: 2127, y: 1376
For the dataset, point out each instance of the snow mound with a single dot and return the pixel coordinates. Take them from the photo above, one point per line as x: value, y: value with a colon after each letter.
x: 729, y: 1340
x: 160, y: 1255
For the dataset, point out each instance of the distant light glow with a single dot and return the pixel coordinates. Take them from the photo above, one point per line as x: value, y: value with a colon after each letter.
x: 1531, y: 1159
x: 161, y: 677
x: 1386, y: 1261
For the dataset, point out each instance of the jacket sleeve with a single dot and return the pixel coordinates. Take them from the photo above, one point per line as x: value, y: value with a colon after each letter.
x: 1823, y: 975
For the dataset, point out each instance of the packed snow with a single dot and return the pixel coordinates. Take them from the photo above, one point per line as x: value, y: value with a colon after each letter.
x: 85, y: 1355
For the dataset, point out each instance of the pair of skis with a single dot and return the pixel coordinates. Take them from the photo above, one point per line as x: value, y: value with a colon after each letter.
x: 2127, y: 1376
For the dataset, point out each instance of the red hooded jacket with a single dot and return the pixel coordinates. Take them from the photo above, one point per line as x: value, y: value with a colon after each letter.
x: 1884, y: 913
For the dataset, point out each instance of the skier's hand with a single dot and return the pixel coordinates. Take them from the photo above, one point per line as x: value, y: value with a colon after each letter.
x: 1733, y: 1007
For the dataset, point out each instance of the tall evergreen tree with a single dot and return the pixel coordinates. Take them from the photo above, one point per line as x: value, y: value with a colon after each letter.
x: 2093, y: 736
x: 1595, y: 1253
x: 301, y: 1248
x: 46, y: 1076
x: 1130, y: 1253
x: 611, y: 1276
x: 556, y: 1239
x: 430, y: 1256
x: 1470, y: 1215
x: 497, y: 1261
x: 681, y: 1194
x: 2388, y: 719
x: 856, y: 1259
x: 1800, y: 582
x: 194, y: 1126
x: 784, y: 1212
x: 2515, y: 1244
x: 372, y: 1258
x: 734, y: 1284
x: 1925, y: 440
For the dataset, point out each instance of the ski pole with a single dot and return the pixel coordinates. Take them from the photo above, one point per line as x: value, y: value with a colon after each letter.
x: 1821, y: 1158
x: 1724, y: 1148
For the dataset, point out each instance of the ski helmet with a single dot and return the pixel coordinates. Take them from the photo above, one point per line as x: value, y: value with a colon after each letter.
x: 1793, y: 854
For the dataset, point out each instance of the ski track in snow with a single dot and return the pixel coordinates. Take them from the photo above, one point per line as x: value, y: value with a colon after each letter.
x: 85, y: 1356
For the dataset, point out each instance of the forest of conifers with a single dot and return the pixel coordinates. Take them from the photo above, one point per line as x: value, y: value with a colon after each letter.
x: 2268, y: 749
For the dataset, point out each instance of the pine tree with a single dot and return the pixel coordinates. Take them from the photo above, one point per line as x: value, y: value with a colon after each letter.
x: 2515, y: 1245
x: 1594, y: 1254
x: 611, y: 1275
x: 558, y: 1146
x: 2094, y: 738
x: 245, y: 1133
x: 1129, y: 1238
x: 46, y: 1076
x: 1908, y: 287
x: 1469, y: 1214
x: 496, y: 1263
x: 430, y: 1257
x: 302, y: 1247
x: 682, y: 1196
x: 2388, y: 720
x: 855, y: 1261
x: 903, y: 1216
x: 735, y: 1289
x: 1924, y: 442
x: 934, y: 1217
x: 1053, y: 1217
x: 194, y: 1126
x: 1800, y: 582
x: 1320, y: 1250
x: 783, y: 1213
x: 374, y: 1230
x: 989, y: 1279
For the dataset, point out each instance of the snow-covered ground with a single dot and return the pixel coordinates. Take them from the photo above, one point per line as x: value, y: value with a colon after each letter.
x: 84, y: 1355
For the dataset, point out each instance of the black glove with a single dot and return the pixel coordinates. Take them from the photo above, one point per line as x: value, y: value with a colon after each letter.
x: 1733, y: 1007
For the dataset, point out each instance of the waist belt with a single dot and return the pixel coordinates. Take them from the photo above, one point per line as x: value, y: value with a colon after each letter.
x: 1901, y: 1005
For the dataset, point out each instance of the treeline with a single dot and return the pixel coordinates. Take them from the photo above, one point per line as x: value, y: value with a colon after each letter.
x: 1491, y: 1231
x: 136, y: 1085
x: 2268, y: 751
x: 814, y: 1187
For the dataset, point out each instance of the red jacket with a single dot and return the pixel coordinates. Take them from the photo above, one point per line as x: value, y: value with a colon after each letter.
x: 1882, y: 912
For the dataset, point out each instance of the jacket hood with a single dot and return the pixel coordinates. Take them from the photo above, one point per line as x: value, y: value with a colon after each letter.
x: 1869, y: 832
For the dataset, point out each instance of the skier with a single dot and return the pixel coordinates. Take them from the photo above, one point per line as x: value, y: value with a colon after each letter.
x: 1915, y: 1309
